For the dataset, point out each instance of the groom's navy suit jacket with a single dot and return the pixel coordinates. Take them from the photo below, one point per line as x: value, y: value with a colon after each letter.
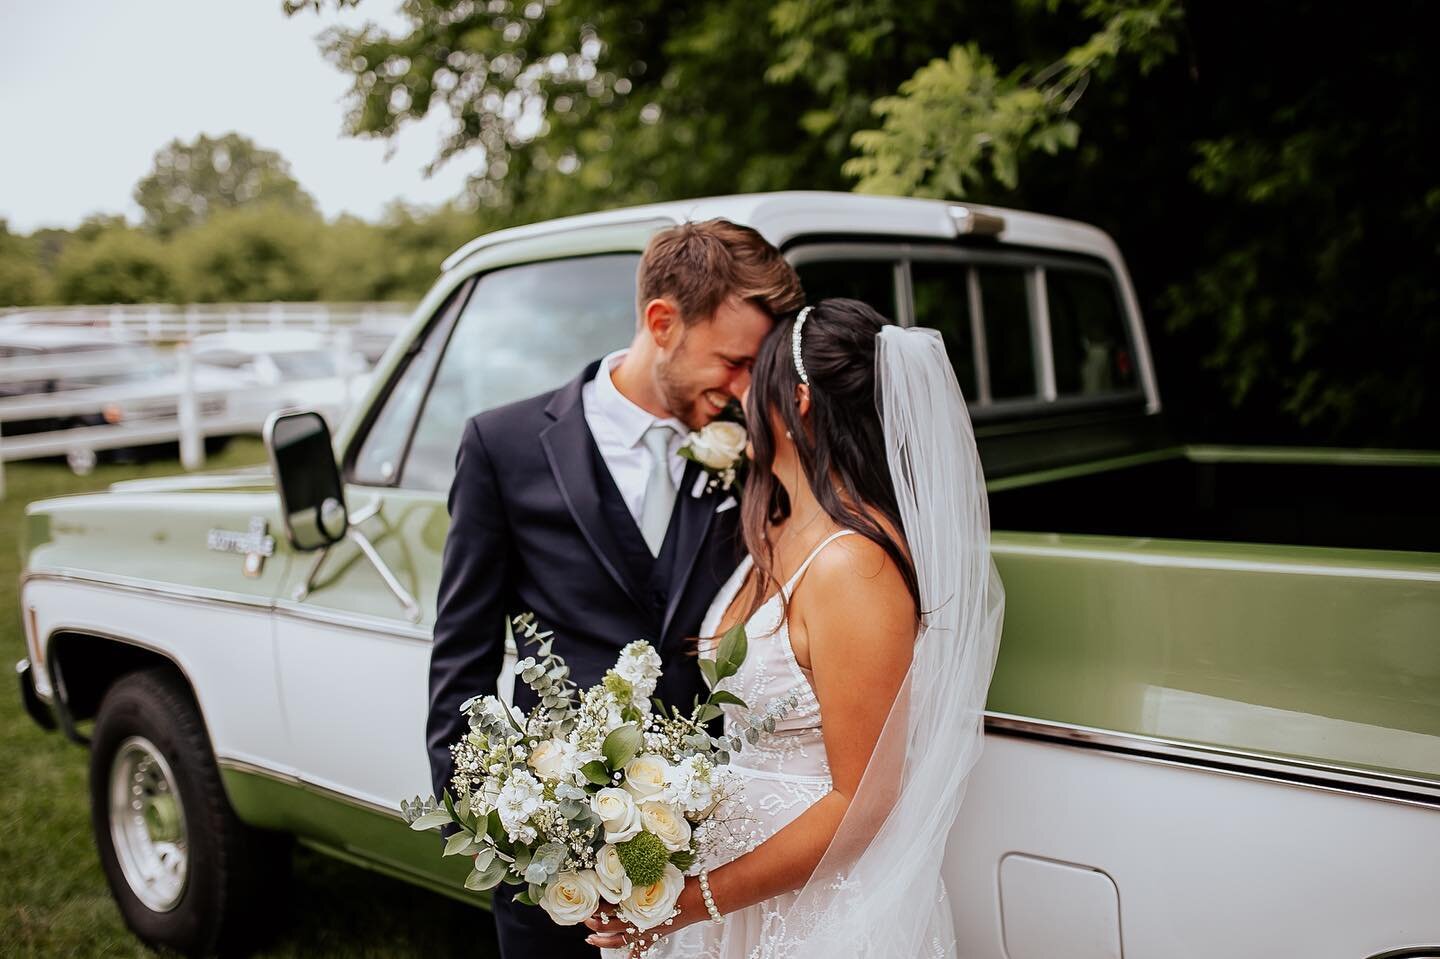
x: 538, y: 525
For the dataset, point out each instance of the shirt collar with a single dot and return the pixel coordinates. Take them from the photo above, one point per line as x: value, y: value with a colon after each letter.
x: 628, y: 420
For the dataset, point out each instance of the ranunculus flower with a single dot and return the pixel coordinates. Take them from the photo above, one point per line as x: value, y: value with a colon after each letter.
x: 668, y: 824
x: 615, y: 886
x: 719, y: 445
x: 649, y: 906
x: 572, y: 897
x: 618, y: 813
x: 646, y: 775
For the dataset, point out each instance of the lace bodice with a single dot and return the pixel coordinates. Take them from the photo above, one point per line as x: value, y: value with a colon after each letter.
x: 772, y: 683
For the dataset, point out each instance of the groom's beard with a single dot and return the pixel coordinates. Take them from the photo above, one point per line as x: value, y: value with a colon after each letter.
x: 683, y: 398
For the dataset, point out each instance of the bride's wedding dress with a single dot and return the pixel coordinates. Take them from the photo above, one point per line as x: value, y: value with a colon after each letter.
x: 783, y: 773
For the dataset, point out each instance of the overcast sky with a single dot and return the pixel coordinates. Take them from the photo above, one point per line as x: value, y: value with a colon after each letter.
x: 91, y: 89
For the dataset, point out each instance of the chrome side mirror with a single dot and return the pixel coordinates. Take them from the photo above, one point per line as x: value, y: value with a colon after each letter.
x: 312, y: 496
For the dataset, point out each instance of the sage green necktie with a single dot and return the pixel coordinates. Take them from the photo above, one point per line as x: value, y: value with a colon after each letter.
x: 659, y: 499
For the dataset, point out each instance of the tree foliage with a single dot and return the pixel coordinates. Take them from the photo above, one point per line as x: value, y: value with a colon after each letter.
x: 191, y: 181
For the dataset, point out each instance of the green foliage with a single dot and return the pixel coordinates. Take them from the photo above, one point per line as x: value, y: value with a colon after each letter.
x: 116, y: 266
x: 190, y: 182
x: 22, y: 279
x: 644, y: 858
x: 958, y: 123
x: 256, y: 253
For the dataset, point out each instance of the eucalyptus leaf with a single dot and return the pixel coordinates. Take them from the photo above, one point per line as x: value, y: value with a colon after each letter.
x: 486, y: 878
x: 458, y: 844
x: 430, y: 820
x: 485, y: 856
x: 622, y: 745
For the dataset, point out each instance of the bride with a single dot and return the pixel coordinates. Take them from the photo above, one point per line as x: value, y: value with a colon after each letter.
x: 873, y: 612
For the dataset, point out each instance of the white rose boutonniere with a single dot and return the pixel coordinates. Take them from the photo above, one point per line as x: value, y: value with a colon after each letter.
x: 719, y: 448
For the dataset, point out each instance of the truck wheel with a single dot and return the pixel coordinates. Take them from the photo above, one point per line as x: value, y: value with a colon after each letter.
x: 185, y: 872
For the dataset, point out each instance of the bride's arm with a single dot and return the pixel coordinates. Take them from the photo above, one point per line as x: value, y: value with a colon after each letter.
x: 856, y: 616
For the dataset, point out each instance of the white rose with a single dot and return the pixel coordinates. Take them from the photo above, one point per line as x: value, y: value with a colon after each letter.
x: 572, y: 897
x: 719, y: 445
x: 646, y: 775
x: 554, y: 759
x: 667, y: 823
x: 615, y: 886
x: 617, y: 811
x: 649, y: 906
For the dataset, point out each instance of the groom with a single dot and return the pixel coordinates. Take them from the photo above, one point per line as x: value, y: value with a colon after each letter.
x: 575, y: 505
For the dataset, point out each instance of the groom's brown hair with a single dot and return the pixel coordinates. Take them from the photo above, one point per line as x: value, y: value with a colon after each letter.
x: 700, y: 265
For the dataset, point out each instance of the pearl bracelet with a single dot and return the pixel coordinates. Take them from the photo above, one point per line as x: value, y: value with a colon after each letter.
x: 709, y: 899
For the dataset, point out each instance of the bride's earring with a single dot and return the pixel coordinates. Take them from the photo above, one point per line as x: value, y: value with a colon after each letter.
x: 788, y: 435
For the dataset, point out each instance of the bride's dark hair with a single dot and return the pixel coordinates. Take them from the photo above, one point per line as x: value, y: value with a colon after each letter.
x: 841, y: 443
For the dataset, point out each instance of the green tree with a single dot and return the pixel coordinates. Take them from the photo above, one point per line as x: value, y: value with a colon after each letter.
x: 191, y: 181
x: 256, y: 253
x: 22, y: 280
x: 115, y: 265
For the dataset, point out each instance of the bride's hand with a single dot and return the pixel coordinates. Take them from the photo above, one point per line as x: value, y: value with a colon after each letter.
x: 607, y: 929
x: 609, y: 932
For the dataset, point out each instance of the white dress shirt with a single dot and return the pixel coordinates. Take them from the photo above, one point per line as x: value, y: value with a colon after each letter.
x: 619, y: 426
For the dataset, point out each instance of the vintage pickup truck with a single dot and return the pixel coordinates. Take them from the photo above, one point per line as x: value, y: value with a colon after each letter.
x: 1214, y: 728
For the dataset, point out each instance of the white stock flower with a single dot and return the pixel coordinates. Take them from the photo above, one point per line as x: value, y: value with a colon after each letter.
x: 645, y: 775
x: 618, y: 813
x: 719, y: 445
x: 554, y: 759
x: 639, y: 665
x: 649, y: 906
x: 572, y: 897
x: 520, y: 798
x: 689, y: 785
x: 610, y: 873
x: 667, y: 823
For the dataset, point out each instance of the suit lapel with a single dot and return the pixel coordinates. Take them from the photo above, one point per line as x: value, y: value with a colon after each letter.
x: 567, y: 443
x: 695, y: 515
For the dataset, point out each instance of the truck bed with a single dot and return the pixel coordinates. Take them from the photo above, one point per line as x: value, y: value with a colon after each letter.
x: 1367, y: 499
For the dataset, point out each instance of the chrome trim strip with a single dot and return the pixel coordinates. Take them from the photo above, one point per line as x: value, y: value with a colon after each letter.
x: 1172, y: 561
x: 196, y: 594
x: 359, y: 622
x: 1374, y: 784
x: 391, y: 628
x: 297, y: 782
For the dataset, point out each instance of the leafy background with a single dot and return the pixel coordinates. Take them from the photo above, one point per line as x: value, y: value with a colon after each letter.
x: 1265, y: 167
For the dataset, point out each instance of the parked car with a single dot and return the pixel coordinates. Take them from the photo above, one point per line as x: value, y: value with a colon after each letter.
x: 286, y: 368
x: 1214, y: 727
x: 80, y: 393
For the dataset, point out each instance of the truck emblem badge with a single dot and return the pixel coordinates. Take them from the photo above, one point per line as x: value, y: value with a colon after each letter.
x: 253, y: 543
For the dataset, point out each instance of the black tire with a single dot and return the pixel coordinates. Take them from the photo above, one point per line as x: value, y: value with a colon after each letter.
x: 235, y: 876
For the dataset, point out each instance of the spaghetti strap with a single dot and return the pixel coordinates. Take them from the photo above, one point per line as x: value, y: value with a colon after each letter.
x: 795, y: 580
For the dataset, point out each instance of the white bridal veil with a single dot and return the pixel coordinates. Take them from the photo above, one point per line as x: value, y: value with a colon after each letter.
x: 877, y: 891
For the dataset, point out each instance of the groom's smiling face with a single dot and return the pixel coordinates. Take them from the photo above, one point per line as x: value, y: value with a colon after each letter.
x: 707, y: 363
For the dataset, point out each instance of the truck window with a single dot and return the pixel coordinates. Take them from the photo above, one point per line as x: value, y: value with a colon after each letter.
x: 871, y: 281
x: 1087, y: 333
x: 942, y: 302
x: 526, y: 329
x: 1005, y: 304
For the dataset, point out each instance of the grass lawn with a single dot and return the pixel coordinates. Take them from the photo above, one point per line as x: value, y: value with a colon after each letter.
x: 53, y: 897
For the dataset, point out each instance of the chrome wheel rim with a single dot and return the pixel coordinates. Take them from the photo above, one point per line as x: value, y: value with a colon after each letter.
x: 147, y: 824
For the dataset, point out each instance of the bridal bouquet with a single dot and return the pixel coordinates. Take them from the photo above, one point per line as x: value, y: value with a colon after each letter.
x: 596, y: 794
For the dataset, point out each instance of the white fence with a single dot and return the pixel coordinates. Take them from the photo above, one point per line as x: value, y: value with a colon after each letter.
x: 174, y: 407
x: 168, y: 323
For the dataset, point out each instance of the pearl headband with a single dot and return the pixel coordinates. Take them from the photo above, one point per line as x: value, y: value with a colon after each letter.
x: 795, y: 344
